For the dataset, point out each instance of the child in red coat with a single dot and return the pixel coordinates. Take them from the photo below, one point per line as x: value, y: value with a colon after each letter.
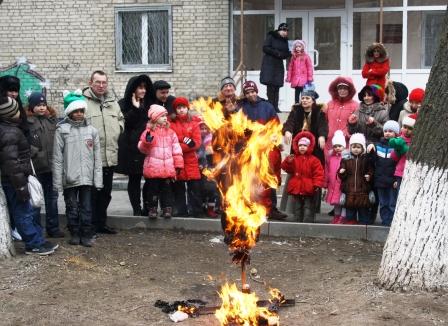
x: 377, y: 65
x: 307, y: 176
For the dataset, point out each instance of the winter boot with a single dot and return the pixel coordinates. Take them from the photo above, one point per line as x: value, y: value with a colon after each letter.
x: 87, y: 241
x: 275, y: 214
x: 167, y: 212
x: 337, y: 219
x: 211, y: 211
x: 137, y: 211
x: 75, y: 239
x: 152, y: 213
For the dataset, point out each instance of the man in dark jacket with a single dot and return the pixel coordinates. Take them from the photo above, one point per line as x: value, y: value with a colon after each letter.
x: 15, y: 168
x: 163, y: 97
x: 272, y: 74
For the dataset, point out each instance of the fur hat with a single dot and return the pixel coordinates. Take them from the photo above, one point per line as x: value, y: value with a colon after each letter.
x: 338, y: 139
x: 225, y: 81
x: 8, y: 107
x: 155, y: 112
x: 161, y: 84
x: 9, y: 83
x: 409, y: 120
x: 392, y: 125
x: 74, y: 101
x: 35, y: 99
x: 304, y: 141
x: 417, y: 95
x: 249, y: 85
x: 358, y: 138
x: 181, y: 101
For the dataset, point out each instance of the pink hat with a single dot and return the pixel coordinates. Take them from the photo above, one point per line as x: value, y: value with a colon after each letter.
x: 156, y: 111
x: 304, y: 141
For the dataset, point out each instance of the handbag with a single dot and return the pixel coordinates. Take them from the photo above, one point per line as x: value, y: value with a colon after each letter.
x: 35, y: 189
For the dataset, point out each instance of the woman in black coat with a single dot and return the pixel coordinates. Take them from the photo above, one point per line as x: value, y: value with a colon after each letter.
x: 272, y: 74
x: 138, y: 96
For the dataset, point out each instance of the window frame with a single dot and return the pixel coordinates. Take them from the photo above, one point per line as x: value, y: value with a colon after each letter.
x: 119, y: 66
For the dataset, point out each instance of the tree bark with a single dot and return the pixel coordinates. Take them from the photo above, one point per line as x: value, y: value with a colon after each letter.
x: 415, y: 255
x: 6, y: 245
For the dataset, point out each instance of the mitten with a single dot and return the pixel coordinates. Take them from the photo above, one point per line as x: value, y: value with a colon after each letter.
x: 149, y: 137
x: 399, y: 145
x: 189, y: 142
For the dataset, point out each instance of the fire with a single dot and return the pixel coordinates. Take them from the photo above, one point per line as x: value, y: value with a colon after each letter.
x: 188, y: 309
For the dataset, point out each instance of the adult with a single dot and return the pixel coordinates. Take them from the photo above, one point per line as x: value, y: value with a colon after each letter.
x: 138, y: 96
x: 261, y: 111
x: 376, y: 66
x: 163, y: 97
x: 227, y: 96
x: 396, y: 98
x: 340, y: 108
x: 103, y: 112
x: 272, y: 74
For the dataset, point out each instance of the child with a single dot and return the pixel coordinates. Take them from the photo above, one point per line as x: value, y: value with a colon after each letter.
x: 401, y: 147
x: 332, y: 181
x: 15, y: 168
x: 300, y: 69
x: 416, y: 98
x: 356, y: 173
x: 163, y: 161
x: 384, y: 171
x: 42, y: 121
x: 188, y: 133
x: 377, y: 65
x: 307, y: 176
x: 77, y: 167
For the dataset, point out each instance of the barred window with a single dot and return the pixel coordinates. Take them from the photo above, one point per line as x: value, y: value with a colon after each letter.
x: 143, y: 38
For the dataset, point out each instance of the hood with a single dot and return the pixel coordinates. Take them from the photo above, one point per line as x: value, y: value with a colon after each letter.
x: 333, y: 89
x: 306, y: 134
x: 294, y: 44
x: 132, y: 85
x: 369, y: 52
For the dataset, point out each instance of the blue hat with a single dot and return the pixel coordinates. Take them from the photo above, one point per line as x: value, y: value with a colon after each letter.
x: 309, y: 90
x: 35, y: 99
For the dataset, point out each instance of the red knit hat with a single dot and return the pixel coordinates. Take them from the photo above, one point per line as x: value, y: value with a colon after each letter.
x: 181, y: 101
x: 250, y: 85
x: 417, y: 95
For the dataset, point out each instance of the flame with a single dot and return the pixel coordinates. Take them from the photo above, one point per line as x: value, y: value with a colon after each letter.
x: 277, y: 296
x: 190, y: 310
x: 242, y: 170
x: 240, y: 308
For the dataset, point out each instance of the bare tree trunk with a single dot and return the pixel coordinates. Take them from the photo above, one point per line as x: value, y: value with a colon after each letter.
x: 415, y: 255
x: 6, y: 245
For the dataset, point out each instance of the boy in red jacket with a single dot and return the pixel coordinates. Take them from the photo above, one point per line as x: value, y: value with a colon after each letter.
x: 307, y: 176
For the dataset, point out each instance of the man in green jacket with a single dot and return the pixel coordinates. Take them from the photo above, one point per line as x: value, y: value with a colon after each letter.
x: 103, y: 112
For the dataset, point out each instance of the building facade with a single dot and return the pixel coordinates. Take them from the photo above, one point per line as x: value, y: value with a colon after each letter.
x: 193, y: 44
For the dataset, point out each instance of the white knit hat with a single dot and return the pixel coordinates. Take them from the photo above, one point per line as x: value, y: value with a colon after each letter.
x: 358, y: 138
x: 338, y: 138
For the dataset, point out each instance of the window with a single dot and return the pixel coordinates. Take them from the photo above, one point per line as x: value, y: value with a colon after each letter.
x: 254, y: 5
x: 312, y: 4
x: 376, y: 3
x: 143, y: 38
x: 426, y: 2
x: 424, y: 30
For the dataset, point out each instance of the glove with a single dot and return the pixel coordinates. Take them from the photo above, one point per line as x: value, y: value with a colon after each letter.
x: 148, y: 137
x: 189, y: 142
x: 399, y: 145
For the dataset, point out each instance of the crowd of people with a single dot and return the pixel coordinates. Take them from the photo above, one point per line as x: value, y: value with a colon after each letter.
x: 350, y: 154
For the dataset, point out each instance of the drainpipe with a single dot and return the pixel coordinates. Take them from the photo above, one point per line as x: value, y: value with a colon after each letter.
x: 381, y: 21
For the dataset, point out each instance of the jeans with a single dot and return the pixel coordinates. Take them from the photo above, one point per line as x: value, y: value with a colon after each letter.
x: 134, y: 190
x: 51, y: 204
x: 78, y: 207
x: 297, y: 93
x: 155, y: 188
x: 23, y: 215
x: 194, y: 197
x: 362, y: 215
x: 101, y: 199
x: 272, y: 92
x: 388, y: 200
x: 304, y: 209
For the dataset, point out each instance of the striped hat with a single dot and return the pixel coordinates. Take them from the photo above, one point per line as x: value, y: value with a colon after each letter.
x: 8, y: 107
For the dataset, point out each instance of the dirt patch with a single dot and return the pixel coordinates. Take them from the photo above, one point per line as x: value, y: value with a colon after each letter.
x: 118, y: 280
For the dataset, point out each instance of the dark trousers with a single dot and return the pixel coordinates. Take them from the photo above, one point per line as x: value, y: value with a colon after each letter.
x: 134, y: 190
x: 78, y: 209
x: 272, y: 92
x: 159, y: 189
x: 362, y: 215
x: 304, y: 209
x: 22, y: 213
x: 388, y: 200
x: 209, y: 191
x: 51, y: 204
x: 297, y: 93
x: 194, y: 197
x: 274, y: 198
x: 101, y: 199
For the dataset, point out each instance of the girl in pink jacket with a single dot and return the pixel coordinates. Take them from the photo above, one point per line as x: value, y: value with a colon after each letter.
x: 332, y: 181
x: 300, y: 69
x: 163, y: 160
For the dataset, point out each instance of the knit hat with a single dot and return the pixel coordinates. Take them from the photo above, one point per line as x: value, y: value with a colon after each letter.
x: 249, y: 85
x: 155, y: 112
x: 297, y: 42
x: 409, y: 120
x: 417, y: 95
x: 181, y: 101
x: 282, y: 27
x: 8, y: 107
x: 74, y: 101
x: 225, y: 81
x: 35, y: 99
x: 304, y: 141
x: 338, y: 139
x: 375, y: 90
x: 392, y: 125
x: 161, y: 84
x: 358, y: 138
